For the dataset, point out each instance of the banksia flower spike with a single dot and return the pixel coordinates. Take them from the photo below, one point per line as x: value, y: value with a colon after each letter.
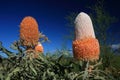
x: 85, y: 45
x: 39, y: 48
x: 29, y: 33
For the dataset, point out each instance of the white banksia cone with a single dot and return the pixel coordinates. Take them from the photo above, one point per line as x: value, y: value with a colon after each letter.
x: 83, y: 26
x: 85, y: 45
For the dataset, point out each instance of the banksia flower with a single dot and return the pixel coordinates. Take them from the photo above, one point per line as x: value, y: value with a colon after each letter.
x: 39, y: 48
x: 29, y: 33
x: 85, y: 45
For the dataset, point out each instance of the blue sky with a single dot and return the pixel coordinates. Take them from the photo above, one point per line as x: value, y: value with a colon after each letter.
x: 50, y: 15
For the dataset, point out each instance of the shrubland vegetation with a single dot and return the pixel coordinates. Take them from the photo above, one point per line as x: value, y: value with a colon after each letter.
x: 61, y: 65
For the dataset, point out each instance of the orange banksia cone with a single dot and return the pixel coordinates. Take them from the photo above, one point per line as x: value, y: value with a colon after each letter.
x: 29, y: 33
x: 39, y: 48
x: 85, y: 45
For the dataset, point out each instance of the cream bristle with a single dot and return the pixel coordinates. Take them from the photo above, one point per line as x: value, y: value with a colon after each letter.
x: 83, y: 27
x: 39, y: 44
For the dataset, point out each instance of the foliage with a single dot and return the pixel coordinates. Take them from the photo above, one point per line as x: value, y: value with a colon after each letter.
x: 47, y: 67
x: 60, y: 65
x: 102, y: 22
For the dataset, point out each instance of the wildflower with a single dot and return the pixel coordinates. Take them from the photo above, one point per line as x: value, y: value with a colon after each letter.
x: 39, y: 48
x: 29, y: 33
x: 85, y: 45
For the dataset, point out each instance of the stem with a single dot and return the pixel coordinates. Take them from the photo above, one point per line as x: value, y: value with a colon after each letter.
x: 86, y: 71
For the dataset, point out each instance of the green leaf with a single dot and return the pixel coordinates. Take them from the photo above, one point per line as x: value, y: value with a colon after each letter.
x: 8, y: 77
x: 31, y: 67
x: 13, y: 47
x: 99, y: 78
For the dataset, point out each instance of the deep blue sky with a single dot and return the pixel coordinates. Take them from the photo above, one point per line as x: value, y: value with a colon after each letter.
x: 50, y: 15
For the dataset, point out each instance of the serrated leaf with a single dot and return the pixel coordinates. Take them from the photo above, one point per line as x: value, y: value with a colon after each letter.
x: 50, y: 73
x: 44, y: 76
x: 13, y: 47
x: 31, y: 67
x: 60, y: 58
x: 1, y: 76
x: 41, y: 57
x: 31, y: 77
